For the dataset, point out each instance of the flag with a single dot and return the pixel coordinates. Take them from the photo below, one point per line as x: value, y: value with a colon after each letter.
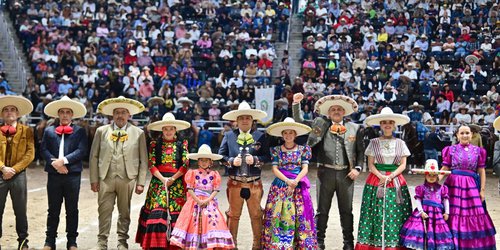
x: 264, y: 100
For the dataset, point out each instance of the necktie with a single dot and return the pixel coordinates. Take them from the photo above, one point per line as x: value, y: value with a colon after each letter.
x: 64, y: 129
x: 119, y: 134
x: 245, y: 139
x: 8, y: 130
x: 338, y: 129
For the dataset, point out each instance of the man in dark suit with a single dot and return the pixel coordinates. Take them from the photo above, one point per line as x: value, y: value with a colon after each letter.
x: 245, y: 185
x: 63, y: 147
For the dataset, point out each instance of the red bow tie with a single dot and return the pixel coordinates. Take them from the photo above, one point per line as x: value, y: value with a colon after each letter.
x: 8, y: 130
x: 64, y: 129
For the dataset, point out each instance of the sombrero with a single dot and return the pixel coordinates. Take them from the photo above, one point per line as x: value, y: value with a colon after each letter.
x: 169, y: 120
x: 23, y: 105
x: 107, y: 106
x: 416, y: 105
x: 431, y: 167
x: 204, y: 152
x: 185, y: 99
x: 156, y: 100
x: 244, y: 109
x: 324, y: 103
x: 77, y: 107
x: 496, y: 123
x: 387, y: 115
x: 289, y: 123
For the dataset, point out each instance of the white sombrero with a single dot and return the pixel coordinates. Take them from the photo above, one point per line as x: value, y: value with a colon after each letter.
x: 107, y: 106
x: 387, y: 115
x: 416, y: 105
x: 169, y: 120
x: 244, y: 109
x: 23, y: 105
x: 77, y: 107
x: 204, y: 152
x: 185, y: 99
x: 431, y: 167
x: 324, y: 103
x: 288, y: 124
x: 496, y: 123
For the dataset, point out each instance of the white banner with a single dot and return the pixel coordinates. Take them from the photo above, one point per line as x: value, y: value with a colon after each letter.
x: 264, y: 100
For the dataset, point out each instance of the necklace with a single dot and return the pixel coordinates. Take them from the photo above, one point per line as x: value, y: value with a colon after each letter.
x: 287, y: 148
x: 386, y: 144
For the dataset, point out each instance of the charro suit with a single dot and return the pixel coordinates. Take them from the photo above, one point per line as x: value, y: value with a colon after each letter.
x: 63, y: 186
x: 118, y: 166
x: 335, y: 164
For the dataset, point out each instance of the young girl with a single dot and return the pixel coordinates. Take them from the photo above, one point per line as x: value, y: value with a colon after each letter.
x: 200, y: 224
x: 432, y: 212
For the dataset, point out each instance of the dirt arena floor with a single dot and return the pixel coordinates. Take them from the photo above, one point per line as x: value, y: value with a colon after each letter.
x: 37, y: 212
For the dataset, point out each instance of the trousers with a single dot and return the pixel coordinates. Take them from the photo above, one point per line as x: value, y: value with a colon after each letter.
x: 17, y: 187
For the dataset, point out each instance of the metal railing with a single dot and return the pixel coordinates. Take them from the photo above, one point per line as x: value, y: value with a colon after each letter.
x: 14, y: 54
x: 289, y: 28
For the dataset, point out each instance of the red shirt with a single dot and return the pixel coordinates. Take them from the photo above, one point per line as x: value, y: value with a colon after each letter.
x: 263, y: 61
x: 161, y: 71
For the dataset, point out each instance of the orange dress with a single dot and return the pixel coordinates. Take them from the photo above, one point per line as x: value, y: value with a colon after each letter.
x: 202, y: 227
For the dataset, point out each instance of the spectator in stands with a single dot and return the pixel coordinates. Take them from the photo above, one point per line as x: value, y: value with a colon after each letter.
x: 463, y: 116
x: 416, y: 113
x: 448, y: 93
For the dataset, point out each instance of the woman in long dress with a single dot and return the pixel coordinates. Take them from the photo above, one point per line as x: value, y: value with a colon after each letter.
x: 167, y: 163
x: 469, y: 221
x: 386, y: 201
x: 289, y: 215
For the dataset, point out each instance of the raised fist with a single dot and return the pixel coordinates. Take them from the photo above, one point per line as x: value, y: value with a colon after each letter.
x: 297, y: 97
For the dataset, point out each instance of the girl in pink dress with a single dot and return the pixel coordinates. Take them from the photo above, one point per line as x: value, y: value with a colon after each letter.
x: 201, y: 225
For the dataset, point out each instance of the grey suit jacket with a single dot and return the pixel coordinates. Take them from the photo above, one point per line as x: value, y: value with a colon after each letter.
x: 355, y: 152
x: 134, y: 152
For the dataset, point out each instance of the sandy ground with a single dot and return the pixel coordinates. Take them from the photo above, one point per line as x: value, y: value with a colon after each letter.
x: 37, y: 212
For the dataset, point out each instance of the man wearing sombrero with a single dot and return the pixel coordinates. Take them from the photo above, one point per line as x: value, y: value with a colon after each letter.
x: 63, y: 148
x: 118, y: 165
x: 244, y: 170
x: 416, y: 113
x: 17, y: 151
x: 338, y: 148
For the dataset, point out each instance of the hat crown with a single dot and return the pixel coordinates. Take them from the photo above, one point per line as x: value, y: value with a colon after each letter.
x: 415, y: 103
x: 289, y: 119
x: 205, y: 149
x: 386, y: 111
x: 65, y: 98
x: 431, y: 165
x: 168, y: 117
x: 244, y: 106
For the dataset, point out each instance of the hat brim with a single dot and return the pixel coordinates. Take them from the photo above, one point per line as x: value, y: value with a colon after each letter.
x: 496, y: 123
x: 52, y: 109
x: 416, y: 106
x: 426, y: 171
x: 179, y: 125
x: 23, y: 105
x: 254, y: 113
x: 196, y: 156
x: 277, y: 128
x: 107, y: 106
x: 156, y: 100
x: 324, y: 103
x: 397, y: 118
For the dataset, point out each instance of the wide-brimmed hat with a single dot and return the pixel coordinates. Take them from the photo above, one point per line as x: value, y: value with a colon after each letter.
x: 282, y: 101
x: 107, y: 106
x: 244, y: 109
x: 204, y: 152
x: 169, y: 120
x: 288, y: 124
x: 156, y: 100
x: 416, y: 105
x: 387, y: 115
x: 463, y: 108
x: 496, y: 123
x: 23, y: 105
x: 77, y: 107
x: 185, y: 99
x: 431, y: 167
x: 65, y: 78
x: 324, y: 103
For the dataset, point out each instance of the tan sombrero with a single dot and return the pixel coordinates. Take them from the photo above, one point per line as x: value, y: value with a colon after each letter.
x: 387, y: 115
x: 169, y: 120
x: 77, y: 107
x: 431, y: 167
x: 496, y: 123
x: 288, y: 124
x: 23, y: 105
x: 324, y: 103
x: 204, y: 152
x: 244, y: 109
x: 416, y: 105
x: 185, y: 99
x: 156, y: 100
x: 107, y: 106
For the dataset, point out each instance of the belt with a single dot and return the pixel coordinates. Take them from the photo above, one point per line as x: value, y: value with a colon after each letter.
x: 336, y: 167
x: 244, y: 179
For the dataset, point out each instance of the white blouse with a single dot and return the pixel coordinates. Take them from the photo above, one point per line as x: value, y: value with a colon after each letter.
x: 387, y: 149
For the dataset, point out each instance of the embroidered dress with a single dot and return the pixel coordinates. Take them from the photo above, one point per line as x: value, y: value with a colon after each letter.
x: 387, y: 154
x: 202, y: 227
x: 438, y: 236
x: 469, y: 221
x: 289, y: 219
x: 152, y: 229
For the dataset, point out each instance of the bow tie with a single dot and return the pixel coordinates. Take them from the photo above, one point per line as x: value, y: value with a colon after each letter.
x: 8, y: 130
x: 64, y: 130
x: 337, y: 129
x: 119, y: 134
x: 245, y: 139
